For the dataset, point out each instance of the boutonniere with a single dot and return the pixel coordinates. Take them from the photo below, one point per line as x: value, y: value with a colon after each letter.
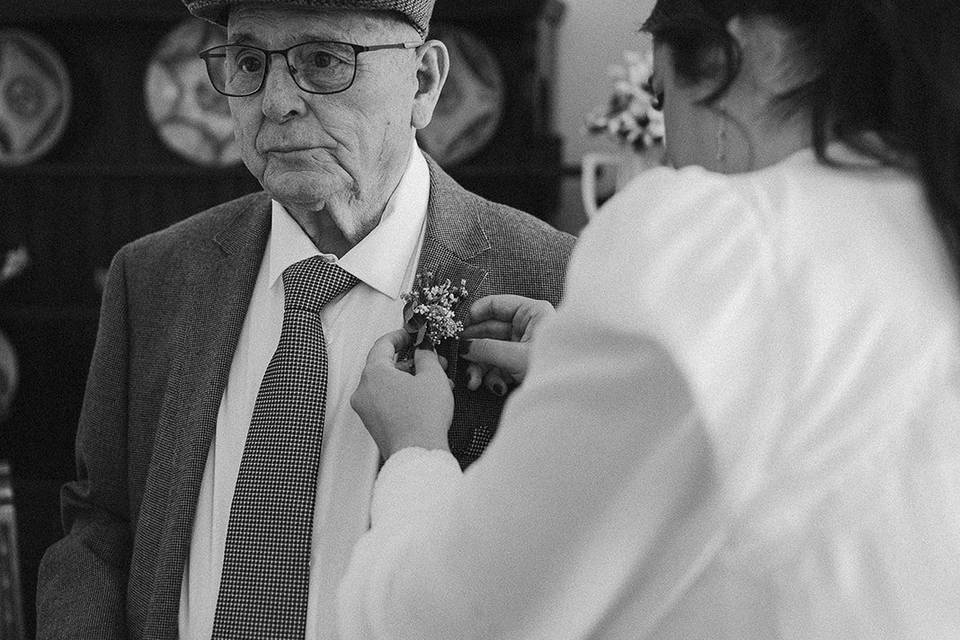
x: 429, y: 313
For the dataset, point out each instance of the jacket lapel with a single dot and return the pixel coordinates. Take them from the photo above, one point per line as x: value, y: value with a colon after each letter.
x: 453, y: 243
x: 219, y: 288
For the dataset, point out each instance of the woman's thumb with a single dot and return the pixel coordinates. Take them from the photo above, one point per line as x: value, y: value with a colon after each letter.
x: 426, y: 360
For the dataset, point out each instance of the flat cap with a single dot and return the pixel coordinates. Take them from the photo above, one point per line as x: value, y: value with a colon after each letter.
x: 416, y: 11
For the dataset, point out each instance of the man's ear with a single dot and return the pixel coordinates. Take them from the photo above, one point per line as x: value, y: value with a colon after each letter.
x: 433, y: 65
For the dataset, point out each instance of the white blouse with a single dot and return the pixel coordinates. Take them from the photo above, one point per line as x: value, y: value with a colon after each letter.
x: 744, y: 422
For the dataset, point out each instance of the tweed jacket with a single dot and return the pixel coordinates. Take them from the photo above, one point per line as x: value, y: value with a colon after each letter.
x: 172, y: 312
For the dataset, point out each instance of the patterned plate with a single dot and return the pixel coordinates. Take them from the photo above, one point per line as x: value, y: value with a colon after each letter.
x: 35, y: 97
x: 191, y: 118
x: 471, y: 103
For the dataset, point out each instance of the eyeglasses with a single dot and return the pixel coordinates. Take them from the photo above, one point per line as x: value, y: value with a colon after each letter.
x: 323, y: 67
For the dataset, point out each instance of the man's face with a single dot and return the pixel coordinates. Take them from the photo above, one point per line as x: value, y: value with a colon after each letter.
x: 336, y: 152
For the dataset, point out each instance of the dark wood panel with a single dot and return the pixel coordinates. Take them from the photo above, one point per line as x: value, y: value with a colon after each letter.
x: 55, y: 345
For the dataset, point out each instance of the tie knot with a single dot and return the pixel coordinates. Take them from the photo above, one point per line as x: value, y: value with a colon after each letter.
x: 312, y: 283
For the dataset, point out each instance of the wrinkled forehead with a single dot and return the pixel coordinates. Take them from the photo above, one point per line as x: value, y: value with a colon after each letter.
x: 277, y: 25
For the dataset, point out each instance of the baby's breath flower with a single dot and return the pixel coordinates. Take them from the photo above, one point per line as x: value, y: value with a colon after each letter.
x: 429, y: 312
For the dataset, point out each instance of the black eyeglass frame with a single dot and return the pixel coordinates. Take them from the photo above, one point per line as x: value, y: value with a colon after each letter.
x: 268, y: 54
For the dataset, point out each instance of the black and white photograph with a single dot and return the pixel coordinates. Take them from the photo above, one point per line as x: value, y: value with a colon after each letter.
x: 480, y: 320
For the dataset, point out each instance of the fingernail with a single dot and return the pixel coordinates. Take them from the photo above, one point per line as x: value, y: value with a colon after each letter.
x: 499, y: 388
x: 464, y: 347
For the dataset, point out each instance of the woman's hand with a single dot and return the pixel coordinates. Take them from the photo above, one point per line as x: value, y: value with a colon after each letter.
x: 401, y: 408
x: 497, y: 341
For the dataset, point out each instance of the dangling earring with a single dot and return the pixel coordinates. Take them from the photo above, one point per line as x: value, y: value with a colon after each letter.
x: 722, y: 140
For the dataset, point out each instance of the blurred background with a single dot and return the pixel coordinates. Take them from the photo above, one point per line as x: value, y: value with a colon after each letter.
x: 109, y: 131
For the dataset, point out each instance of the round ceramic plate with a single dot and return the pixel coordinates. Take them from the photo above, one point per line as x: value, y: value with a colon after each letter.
x: 189, y: 115
x: 34, y: 97
x: 472, y: 101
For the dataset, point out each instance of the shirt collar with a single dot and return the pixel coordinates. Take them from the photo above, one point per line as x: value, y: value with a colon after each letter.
x: 383, y: 257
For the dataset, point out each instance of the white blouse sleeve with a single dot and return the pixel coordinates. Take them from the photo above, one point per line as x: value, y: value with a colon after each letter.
x: 601, y: 472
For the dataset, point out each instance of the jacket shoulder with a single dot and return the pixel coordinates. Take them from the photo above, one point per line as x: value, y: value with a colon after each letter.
x: 197, y: 229
x: 527, y: 256
x: 507, y: 227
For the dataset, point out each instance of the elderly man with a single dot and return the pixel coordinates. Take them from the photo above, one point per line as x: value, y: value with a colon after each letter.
x: 229, y: 344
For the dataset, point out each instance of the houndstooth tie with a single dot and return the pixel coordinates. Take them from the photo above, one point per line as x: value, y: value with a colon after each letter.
x: 266, y: 564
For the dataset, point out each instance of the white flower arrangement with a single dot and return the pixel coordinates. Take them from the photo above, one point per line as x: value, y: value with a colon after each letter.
x: 631, y: 116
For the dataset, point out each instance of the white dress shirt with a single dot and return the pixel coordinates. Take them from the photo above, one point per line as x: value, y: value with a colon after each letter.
x: 743, y: 423
x: 385, y: 262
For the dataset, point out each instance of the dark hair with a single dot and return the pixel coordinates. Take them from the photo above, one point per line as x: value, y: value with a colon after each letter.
x: 890, y: 67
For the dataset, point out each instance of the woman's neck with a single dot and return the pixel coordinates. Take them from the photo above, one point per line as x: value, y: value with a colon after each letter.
x: 760, y: 139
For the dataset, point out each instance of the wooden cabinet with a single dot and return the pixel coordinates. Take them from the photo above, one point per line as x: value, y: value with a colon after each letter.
x: 110, y: 179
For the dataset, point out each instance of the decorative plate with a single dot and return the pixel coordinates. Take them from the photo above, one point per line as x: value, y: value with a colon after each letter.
x: 192, y: 119
x: 35, y: 97
x: 471, y: 104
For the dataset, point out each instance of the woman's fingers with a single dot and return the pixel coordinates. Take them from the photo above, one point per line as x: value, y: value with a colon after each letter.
x: 489, y: 328
x: 402, y: 408
x: 385, y: 349
x: 493, y: 379
x: 475, y: 373
x: 495, y: 382
x: 427, y: 362
x: 507, y: 317
x: 528, y: 317
x: 509, y: 356
x: 498, y: 307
